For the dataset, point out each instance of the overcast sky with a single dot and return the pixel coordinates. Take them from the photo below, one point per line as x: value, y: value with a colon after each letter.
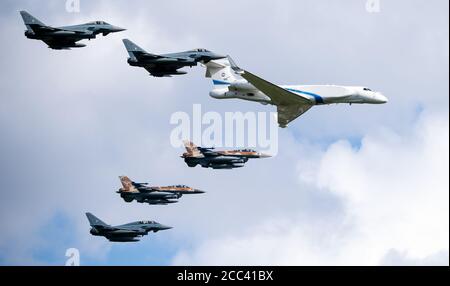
x: 351, y: 185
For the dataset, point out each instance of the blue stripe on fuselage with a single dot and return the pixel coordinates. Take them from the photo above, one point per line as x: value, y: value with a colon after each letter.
x: 317, y: 97
x: 219, y: 82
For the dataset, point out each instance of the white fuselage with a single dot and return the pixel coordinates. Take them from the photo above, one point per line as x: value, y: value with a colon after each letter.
x: 317, y: 94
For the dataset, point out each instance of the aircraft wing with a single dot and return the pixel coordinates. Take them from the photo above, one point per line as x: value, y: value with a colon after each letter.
x: 39, y: 29
x: 105, y: 227
x: 148, y: 56
x: 290, y: 105
x: 162, y: 69
x: 130, y: 230
x: 288, y: 113
x: 161, y: 201
x: 61, y: 42
x: 208, y: 152
x: 278, y: 95
x: 165, y: 69
x: 164, y: 58
x: 124, y: 235
x: 146, y: 189
x: 127, y: 230
x: 139, y: 185
x: 122, y: 238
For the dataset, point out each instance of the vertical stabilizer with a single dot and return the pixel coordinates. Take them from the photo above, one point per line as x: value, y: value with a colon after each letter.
x: 30, y: 21
x: 133, y: 49
x: 127, y: 184
x: 220, y: 72
x: 95, y: 221
x: 191, y: 149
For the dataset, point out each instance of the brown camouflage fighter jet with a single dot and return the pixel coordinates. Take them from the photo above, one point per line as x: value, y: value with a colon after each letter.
x: 143, y: 193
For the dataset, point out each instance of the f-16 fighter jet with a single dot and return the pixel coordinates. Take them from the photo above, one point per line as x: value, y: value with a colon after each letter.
x: 64, y: 38
x: 230, y: 81
x: 168, y: 64
x: 210, y: 158
x: 143, y: 193
x: 129, y: 232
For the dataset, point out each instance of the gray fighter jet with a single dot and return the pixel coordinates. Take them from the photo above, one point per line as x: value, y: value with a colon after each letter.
x: 143, y: 193
x: 223, y: 159
x: 64, y: 38
x: 129, y: 232
x: 168, y: 64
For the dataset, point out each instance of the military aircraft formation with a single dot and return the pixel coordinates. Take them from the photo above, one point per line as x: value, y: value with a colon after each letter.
x: 229, y: 80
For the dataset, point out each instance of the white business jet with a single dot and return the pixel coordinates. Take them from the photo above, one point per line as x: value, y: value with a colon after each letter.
x: 230, y: 81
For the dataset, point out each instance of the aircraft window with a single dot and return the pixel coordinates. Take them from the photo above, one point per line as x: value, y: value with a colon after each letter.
x: 367, y: 89
x: 146, y: 222
x: 250, y: 94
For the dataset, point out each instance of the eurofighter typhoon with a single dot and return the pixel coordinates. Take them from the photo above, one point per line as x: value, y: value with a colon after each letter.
x: 143, y: 193
x: 167, y: 65
x: 129, y: 232
x: 218, y: 159
x: 64, y: 38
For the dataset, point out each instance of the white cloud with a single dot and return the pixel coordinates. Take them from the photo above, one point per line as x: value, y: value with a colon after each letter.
x: 72, y: 121
x: 395, y: 191
x: 394, y: 257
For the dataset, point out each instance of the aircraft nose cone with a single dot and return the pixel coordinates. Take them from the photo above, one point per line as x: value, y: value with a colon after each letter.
x: 118, y: 29
x: 197, y: 191
x: 217, y: 56
x: 381, y: 98
x: 164, y: 227
x: 263, y: 155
